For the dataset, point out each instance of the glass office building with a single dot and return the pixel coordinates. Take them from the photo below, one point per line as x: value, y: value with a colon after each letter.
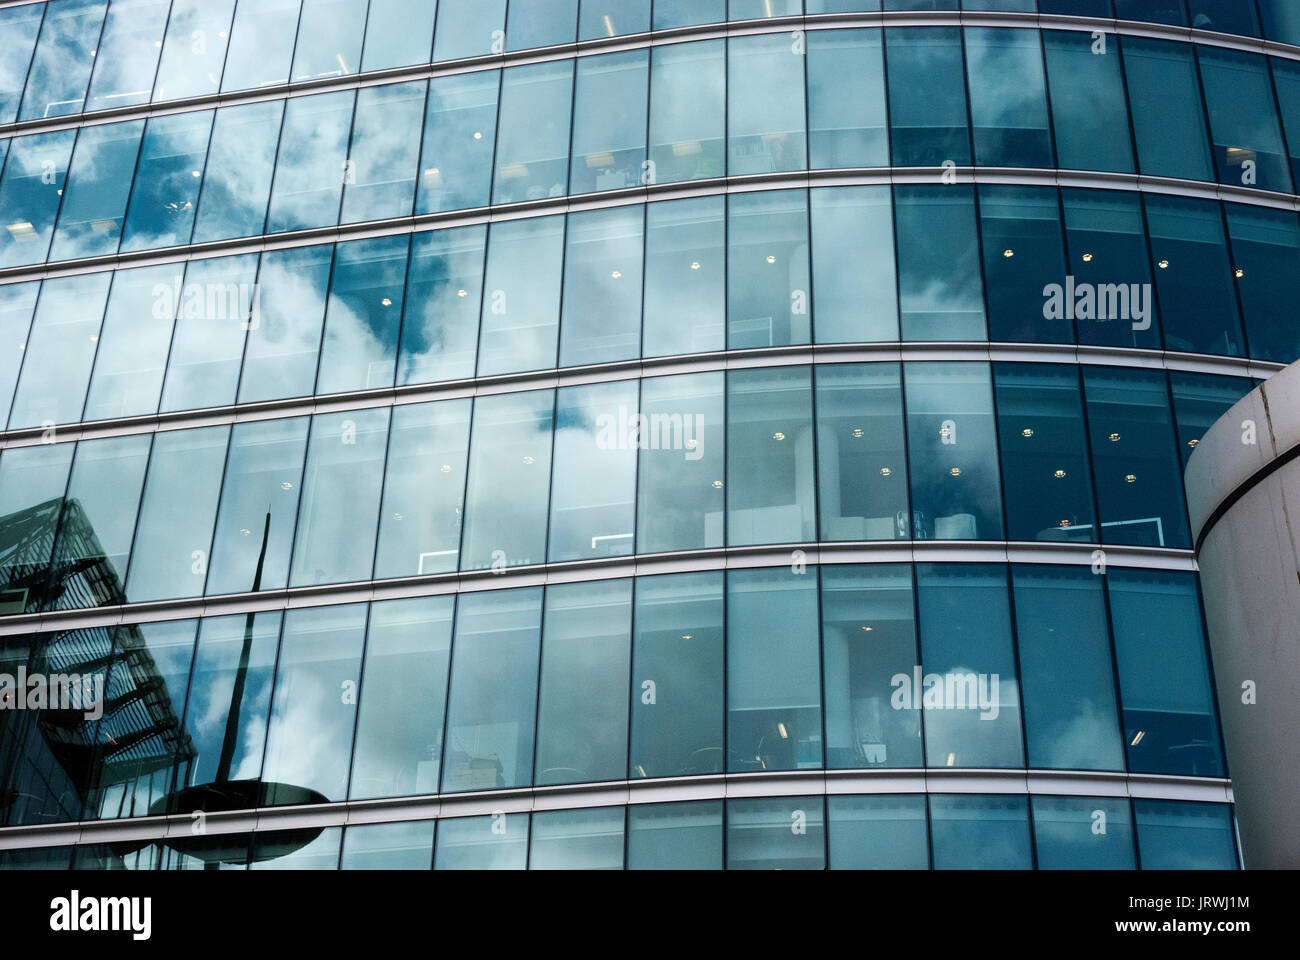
x: 625, y: 434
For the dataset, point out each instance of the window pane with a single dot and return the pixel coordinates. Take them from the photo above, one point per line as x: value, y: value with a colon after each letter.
x: 17, y: 301
x: 602, y: 286
x: 941, y: 293
x: 237, y: 177
x: 166, y: 189
x: 609, y: 122
x: 677, y: 694
x: 126, y: 56
x: 312, y: 166
x: 399, y: 749
x: 593, y: 498
x: 359, y: 351
x: 682, y: 13
x: 230, y: 751
x: 675, y: 836
x: 1083, y: 833
x: 878, y: 833
x: 284, y: 342
x: 1168, y: 120
x: 1111, y: 299
x: 767, y: 269
x: 1008, y: 99
x: 133, y: 344
x: 953, y: 448
x: 980, y: 833
x: 765, y: 105
x: 98, y: 521
x: 459, y: 134
x: 1248, y: 149
x: 493, y: 691
x: 33, y: 481
x: 1174, y: 835
x: 444, y: 291
x: 1286, y: 80
x: 469, y: 28
x: 1170, y: 723
x: 967, y: 676
x: 785, y: 833
x: 389, y: 846
x: 1023, y: 244
x: 60, y: 351
x: 532, y: 159
x: 1151, y: 11
x: 174, y: 536
x: 681, y: 494
x: 20, y: 28
x: 259, y: 505
x: 688, y: 110
x: 770, y: 456
x: 329, y: 39
x: 540, y: 23
x: 34, y: 177
x: 399, y: 33
x: 261, y: 45
x: 582, y: 711
x: 612, y: 18
x: 1069, y: 686
x: 1044, y: 445
x: 927, y: 97
x: 1089, y: 107
x: 1280, y: 20
x: 862, y: 465
x: 65, y: 53
x: 1139, y: 483
x: 1266, y: 261
x: 341, y: 485
x: 521, y: 306
x: 868, y: 642
x: 773, y: 688
x: 149, y: 679
x: 194, y: 52
x: 99, y: 183
x: 1199, y: 400
x: 309, y: 741
x: 385, y: 153
x: 577, y: 839
x: 285, y: 850
x: 212, y: 314
x: 498, y: 842
x: 685, y: 295
x: 846, y: 99
x: 854, y: 281
x: 509, y: 463
x: 424, y: 489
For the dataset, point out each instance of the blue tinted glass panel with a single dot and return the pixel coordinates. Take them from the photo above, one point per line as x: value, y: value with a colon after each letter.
x: 329, y: 39
x: 1199, y: 400
x: 1066, y: 674
x: 612, y: 18
x: 1083, y: 833
x: 1089, y: 106
x: 1008, y: 101
x: 521, y: 295
x: 967, y: 674
x: 675, y: 836
x: 927, y: 102
x: 1225, y: 16
x: 341, y: 487
x: 1170, y: 722
x: 868, y: 641
x: 540, y: 23
x: 773, y: 688
x: 682, y: 13
x: 688, y: 105
x: 1023, y: 244
x: 941, y: 294
x: 126, y: 57
x: 677, y: 684
x: 877, y: 833
x: 1281, y: 20
x: 532, y: 159
x: 765, y: 105
x: 768, y: 301
x: 398, y: 33
x: 99, y: 184
x: 1248, y: 148
x: 65, y: 54
x: 482, y: 843
x: 444, y: 289
x: 385, y: 152
x: 1266, y: 266
x: 492, y: 706
x: 17, y: 302
x: 285, y: 333
x: 604, y: 253
x: 685, y: 277
x: 408, y: 649
x: 459, y: 133
x: 785, y: 833
x: 609, y: 122
x: 364, y: 317
x: 261, y: 44
x: 237, y: 177
x: 194, y: 52
x: 19, y: 27
x: 1152, y: 11
x: 854, y: 279
x: 34, y: 176
x: 167, y: 178
x: 469, y: 28
x: 589, y: 839
x: 312, y: 168
x: 847, y: 123
x: 1174, y: 835
x: 1168, y: 119
x: 980, y: 833
x: 388, y: 846
x: 33, y: 481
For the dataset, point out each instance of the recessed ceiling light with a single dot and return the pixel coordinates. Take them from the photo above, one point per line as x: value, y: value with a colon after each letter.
x: 885, y: 471
x: 955, y: 471
x: 857, y: 433
x: 1163, y: 264
x: 1059, y: 474
x: 286, y: 485
x: 1087, y: 258
x: 1114, y: 438
x: 616, y: 274
x: 1193, y: 442
x: 529, y: 460
x: 446, y: 468
x: 462, y: 293
x: 386, y: 302
x: 1240, y: 273
x: 1130, y: 478
x: 771, y: 259
x: 1008, y: 253
x: 695, y: 264
x: 717, y: 484
x: 1027, y: 432
x: 778, y: 435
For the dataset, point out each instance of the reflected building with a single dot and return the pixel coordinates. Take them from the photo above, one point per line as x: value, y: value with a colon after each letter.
x: 707, y: 433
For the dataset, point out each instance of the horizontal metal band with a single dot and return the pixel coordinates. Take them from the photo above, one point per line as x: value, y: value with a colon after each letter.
x: 1240, y: 491
x: 712, y: 187
x: 637, y: 41
x: 614, y: 568
x: 1047, y: 783
x: 622, y: 370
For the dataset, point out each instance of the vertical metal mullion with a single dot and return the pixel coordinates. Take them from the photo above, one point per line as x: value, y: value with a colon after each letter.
x: 356, y: 719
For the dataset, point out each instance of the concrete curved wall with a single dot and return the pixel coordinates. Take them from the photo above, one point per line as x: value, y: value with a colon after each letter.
x: 1243, y: 495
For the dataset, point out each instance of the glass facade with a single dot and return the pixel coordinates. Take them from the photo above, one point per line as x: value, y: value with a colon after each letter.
x: 427, y: 407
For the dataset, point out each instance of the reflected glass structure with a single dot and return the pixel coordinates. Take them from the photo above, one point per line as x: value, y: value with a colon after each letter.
x: 775, y: 424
